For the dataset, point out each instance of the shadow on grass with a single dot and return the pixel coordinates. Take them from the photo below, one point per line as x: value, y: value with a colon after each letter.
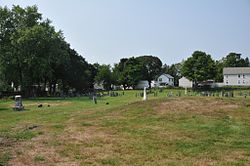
x: 46, y: 98
x: 56, y: 98
x: 4, y: 109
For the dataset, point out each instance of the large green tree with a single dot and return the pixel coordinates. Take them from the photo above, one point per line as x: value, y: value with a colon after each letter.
x: 104, y: 76
x: 32, y: 54
x: 235, y: 60
x: 12, y: 22
x: 151, y: 67
x: 199, y: 67
x: 119, y: 75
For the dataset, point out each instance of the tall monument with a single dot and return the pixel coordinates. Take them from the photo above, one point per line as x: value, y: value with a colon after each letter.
x: 145, y: 94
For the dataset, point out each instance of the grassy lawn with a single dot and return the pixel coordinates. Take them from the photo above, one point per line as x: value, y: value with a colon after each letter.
x: 125, y: 130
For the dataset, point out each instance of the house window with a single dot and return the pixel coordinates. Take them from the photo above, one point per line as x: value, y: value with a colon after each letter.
x: 238, y: 81
x: 243, y: 75
x: 160, y: 79
x: 226, y: 81
x: 243, y: 81
x: 226, y: 76
x: 238, y: 75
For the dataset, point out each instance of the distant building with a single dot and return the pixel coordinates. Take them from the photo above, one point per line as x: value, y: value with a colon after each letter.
x: 185, y: 83
x: 99, y: 86
x: 239, y: 76
x: 161, y: 81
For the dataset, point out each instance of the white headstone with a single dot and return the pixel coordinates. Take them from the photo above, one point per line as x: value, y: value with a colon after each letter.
x: 145, y: 94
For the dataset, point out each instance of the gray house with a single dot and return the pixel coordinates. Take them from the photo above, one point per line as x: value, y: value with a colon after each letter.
x: 239, y: 76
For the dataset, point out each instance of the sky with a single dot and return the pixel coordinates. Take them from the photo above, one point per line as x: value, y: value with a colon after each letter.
x: 105, y: 31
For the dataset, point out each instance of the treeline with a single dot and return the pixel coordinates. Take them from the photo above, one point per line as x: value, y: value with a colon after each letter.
x: 34, y: 56
x: 129, y: 71
x: 198, y: 67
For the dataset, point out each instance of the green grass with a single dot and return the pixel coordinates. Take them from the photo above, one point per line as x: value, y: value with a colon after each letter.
x: 5, y: 157
x: 185, y: 130
x: 39, y: 158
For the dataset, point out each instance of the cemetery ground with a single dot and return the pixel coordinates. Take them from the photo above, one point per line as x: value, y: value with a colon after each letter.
x: 124, y: 130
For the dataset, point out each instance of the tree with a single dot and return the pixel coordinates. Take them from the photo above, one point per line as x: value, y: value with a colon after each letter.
x: 119, y: 73
x: 199, y: 67
x: 104, y: 76
x: 12, y: 22
x: 132, y: 73
x: 219, y: 71
x: 151, y: 67
x: 33, y: 54
x: 235, y: 60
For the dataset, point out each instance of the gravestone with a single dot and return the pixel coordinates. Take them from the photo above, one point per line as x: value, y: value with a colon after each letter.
x: 94, y: 99
x: 145, y: 94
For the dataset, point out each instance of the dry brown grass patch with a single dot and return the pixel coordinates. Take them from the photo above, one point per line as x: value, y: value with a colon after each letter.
x: 194, y: 105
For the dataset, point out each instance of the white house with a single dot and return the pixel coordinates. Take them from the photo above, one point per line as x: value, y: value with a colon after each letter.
x: 98, y: 86
x: 239, y: 76
x: 163, y: 80
x: 185, y: 83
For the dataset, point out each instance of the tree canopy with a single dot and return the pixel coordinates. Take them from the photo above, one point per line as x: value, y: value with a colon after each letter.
x: 199, y: 67
x: 151, y: 67
x: 33, y: 54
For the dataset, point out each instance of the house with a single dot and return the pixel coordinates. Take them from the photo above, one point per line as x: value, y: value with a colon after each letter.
x: 163, y: 80
x: 185, y: 83
x: 239, y: 76
x: 99, y: 86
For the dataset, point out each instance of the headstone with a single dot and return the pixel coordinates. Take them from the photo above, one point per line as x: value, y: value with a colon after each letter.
x: 222, y: 94
x: 94, y: 99
x: 145, y: 94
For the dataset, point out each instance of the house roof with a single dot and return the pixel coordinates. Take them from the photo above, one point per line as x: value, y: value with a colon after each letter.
x: 236, y: 70
x: 184, y: 78
x: 167, y: 75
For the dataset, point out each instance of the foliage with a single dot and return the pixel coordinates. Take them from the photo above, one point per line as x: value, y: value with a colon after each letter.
x: 132, y: 73
x: 199, y: 67
x: 235, y: 60
x: 104, y: 76
x: 151, y: 67
x: 34, y: 56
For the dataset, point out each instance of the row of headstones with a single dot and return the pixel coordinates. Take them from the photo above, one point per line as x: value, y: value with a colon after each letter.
x: 244, y: 93
x: 93, y: 96
x: 205, y: 93
x: 116, y: 94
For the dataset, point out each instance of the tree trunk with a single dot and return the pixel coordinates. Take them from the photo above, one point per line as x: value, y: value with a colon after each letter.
x: 45, y: 82
x: 50, y: 88
x: 149, y: 84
